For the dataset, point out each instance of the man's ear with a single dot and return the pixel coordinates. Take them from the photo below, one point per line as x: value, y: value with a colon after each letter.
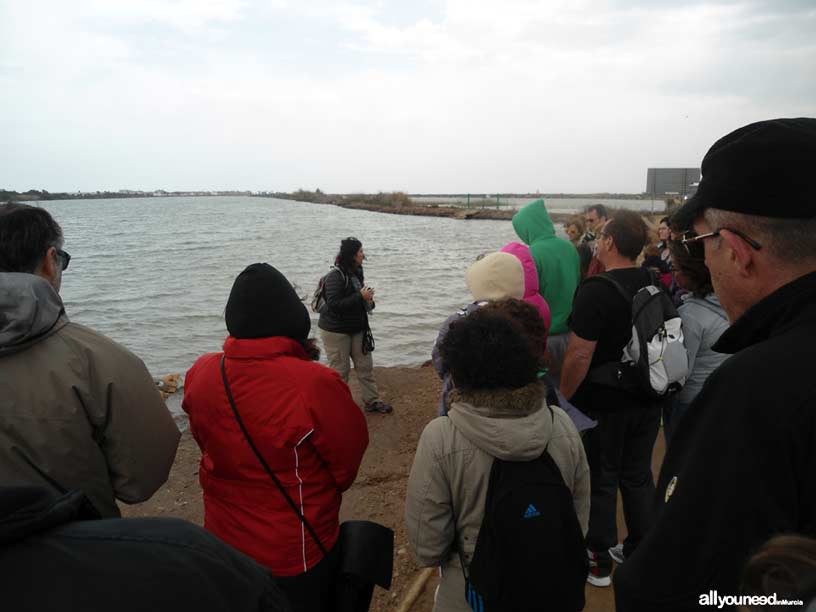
x: 49, y: 266
x: 741, y: 254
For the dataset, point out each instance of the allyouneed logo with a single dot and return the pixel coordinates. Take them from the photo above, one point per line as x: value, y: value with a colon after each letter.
x: 712, y: 598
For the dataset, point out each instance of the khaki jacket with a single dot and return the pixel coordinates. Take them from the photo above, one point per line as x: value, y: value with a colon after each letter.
x: 447, y: 487
x: 77, y: 410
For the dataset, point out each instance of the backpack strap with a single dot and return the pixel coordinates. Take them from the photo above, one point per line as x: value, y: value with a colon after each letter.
x: 610, y: 281
x: 342, y: 274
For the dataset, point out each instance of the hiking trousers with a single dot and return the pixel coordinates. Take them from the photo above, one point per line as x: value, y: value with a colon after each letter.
x: 343, y: 348
x: 619, y: 452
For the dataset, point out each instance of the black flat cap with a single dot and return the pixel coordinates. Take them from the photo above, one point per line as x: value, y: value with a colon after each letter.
x: 766, y: 168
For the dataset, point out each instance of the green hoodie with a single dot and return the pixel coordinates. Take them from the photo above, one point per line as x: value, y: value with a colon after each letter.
x: 559, y: 268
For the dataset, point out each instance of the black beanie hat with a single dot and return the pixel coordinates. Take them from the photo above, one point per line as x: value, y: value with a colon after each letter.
x: 263, y: 303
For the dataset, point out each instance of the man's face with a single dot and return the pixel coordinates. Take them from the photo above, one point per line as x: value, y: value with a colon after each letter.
x: 723, y: 279
x: 593, y: 221
x: 604, y: 243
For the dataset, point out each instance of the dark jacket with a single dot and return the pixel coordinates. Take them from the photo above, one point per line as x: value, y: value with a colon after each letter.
x: 741, y: 465
x: 157, y: 564
x: 345, y: 309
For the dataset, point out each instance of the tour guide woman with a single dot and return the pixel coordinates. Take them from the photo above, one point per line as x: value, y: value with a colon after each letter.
x: 343, y: 321
x: 303, y: 422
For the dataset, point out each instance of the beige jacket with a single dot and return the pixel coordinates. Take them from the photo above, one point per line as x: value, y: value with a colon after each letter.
x: 77, y: 410
x: 449, y: 477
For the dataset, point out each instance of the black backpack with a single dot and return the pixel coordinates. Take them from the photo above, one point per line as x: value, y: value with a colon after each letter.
x: 530, y: 553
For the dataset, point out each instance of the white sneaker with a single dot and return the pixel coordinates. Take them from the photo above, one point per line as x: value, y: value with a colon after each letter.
x: 616, y: 552
x: 599, y: 581
x: 600, y: 570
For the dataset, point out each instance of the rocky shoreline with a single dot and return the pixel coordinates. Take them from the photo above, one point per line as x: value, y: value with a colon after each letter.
x: 451, y: 212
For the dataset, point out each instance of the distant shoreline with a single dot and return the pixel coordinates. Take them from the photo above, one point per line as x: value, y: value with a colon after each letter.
x: 396, y: 203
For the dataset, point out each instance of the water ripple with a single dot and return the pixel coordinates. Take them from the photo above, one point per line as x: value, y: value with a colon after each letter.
x: 155, y: 274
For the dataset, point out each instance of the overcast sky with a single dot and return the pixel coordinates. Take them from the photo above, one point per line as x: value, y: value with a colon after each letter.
x: 424, y: 96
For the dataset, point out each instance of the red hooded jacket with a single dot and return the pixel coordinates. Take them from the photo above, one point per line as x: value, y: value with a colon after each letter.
x: 304, y: 422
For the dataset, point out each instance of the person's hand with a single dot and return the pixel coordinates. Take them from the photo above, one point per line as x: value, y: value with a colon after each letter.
x: 367, y: 293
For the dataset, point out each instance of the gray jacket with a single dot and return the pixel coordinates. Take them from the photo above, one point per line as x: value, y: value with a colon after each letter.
x: 704, y: 321
x: 77, y: 410
x: 447, y: 487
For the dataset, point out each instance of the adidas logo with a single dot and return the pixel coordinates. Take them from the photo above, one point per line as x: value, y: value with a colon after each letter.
x: 531, y: 512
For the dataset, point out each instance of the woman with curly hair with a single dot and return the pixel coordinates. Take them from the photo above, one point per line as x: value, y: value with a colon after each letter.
x: 497, y: 410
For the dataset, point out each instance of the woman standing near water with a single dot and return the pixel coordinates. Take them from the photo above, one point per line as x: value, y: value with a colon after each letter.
x: 343, y: 322
x: 264, y: 407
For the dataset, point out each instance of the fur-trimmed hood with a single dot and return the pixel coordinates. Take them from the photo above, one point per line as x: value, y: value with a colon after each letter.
x: 511, y: 424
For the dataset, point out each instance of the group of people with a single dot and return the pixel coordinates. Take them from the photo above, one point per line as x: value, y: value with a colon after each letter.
x: 281, y: 437
x: 737, y: 476
x: 82, y: 425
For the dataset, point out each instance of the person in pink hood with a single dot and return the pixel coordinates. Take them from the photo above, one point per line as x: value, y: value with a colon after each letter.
x: 531, y: 294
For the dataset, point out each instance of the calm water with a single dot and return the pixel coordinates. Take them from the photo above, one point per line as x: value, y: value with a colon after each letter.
x: 154, y: 274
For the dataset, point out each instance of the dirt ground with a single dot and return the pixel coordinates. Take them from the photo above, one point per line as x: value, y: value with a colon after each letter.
x: 379, y: 491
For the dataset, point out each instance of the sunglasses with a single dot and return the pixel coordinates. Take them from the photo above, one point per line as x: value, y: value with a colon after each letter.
x: 687, y: 241
x: 65, y: 257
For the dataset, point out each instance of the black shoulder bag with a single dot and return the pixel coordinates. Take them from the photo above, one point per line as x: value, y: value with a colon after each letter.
x: 366, y: 549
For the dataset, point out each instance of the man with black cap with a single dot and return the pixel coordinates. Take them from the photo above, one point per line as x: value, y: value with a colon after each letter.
x: 742, y: 465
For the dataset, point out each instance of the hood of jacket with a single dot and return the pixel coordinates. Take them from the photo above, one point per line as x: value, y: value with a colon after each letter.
x: 495, y: 277
x: 27, y: 510
x: 712, y: 299
x: 263, y: 348
x: 511, y: 424
x: 531, y: 294
x: 30, y: 310
x: 533, y: 223
x: 522, y: 252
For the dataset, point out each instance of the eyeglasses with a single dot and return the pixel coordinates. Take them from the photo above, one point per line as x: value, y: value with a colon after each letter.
x: 688, y: 241
x: 65, y: 257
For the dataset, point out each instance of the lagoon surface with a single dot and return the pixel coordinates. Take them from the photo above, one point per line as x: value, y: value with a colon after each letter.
x: 154, y: 274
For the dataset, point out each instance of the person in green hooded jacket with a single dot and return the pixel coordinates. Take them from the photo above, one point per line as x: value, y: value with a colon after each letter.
x: 559, y: 272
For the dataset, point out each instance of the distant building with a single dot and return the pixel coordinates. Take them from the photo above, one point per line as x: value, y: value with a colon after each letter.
x: 671, y: 181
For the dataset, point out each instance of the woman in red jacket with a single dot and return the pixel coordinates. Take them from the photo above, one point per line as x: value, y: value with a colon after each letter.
x: 303, y: 421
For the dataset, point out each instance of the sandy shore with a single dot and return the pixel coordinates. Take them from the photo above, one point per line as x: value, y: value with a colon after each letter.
x: 379, y: 492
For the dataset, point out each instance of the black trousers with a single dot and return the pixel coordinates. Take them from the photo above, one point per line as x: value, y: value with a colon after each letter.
x: 315, y: 590
x: 619, y: 452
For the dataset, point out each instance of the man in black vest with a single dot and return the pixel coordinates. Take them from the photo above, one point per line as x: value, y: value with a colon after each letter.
x: 742, y: 465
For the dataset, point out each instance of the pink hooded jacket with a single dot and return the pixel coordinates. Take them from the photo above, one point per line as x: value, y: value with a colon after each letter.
x: 531, y: 294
